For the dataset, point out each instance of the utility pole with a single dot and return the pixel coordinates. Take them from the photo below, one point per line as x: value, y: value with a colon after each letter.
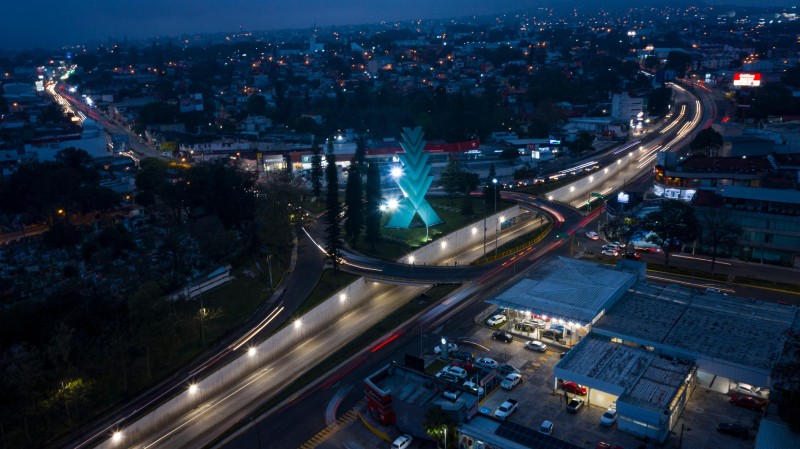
x: 497, y: 222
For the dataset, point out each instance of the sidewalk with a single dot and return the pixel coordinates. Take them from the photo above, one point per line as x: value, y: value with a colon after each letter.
x: 731, y: 268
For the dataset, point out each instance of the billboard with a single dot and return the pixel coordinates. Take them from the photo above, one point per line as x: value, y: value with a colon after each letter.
x: 747, y: 79
x: 191, y: 102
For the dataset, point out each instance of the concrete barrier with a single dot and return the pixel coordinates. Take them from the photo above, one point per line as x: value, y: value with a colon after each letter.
x: 311, y: 323
x: 459, y: 241
x: 584, y: 186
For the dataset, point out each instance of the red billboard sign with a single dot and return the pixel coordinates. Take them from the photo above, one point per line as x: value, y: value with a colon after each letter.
x: 747, y: 79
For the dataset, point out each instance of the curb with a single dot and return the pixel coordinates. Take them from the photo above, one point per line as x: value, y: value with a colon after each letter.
x: 373, y: 429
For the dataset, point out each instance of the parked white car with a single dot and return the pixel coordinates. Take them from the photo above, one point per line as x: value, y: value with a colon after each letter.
x: 748, y: 389
x: 486, y: 362
x: 536, y: 345
x: 511, y: 381
x: 402, y: 442
x: 506, y: 409
x: 457, y: 371
x: 496, y: 319
x: 546, y: 428
x: 609, y: 417
x: 451, y: 348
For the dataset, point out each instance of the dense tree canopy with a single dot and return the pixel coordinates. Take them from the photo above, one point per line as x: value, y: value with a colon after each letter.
x: 44, y: 190
x: 671, y: 226
x: 707, y: 141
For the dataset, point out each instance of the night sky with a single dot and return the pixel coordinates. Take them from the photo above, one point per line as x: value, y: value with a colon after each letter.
x: 52, y: 23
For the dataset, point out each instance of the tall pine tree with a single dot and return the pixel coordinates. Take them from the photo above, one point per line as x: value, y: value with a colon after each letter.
x: 316, y: 170
x: 334, y: 230
x: 354, y: 195
x: 372, y: 206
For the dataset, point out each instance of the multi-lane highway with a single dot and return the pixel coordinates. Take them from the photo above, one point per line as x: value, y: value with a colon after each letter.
x: 312, y: 410
x: 137, y: 147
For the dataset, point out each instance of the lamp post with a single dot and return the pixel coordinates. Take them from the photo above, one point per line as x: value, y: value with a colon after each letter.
x: 494, y: 181
x: 496, y: 234
x: 570, y: 238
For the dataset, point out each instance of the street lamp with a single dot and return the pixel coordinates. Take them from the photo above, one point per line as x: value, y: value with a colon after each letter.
x: 496, y: 233
x: 568, y: 237
x: 494, y: 181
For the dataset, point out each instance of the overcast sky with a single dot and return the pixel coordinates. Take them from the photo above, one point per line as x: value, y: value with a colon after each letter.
x: 51, y: 23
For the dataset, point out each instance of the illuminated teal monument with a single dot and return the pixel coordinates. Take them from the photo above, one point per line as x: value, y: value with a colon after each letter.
x: 414, y: 180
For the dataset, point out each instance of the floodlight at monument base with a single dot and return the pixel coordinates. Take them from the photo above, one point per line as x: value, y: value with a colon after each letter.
x: 414, y: 180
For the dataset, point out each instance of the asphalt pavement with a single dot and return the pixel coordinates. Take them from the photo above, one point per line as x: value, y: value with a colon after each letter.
x: 729, y: 267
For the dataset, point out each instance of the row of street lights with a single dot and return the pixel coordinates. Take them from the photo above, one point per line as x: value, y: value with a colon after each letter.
x: 392, y: 204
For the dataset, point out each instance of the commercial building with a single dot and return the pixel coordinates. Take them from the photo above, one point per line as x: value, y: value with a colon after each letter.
x: 401, y: 396
x: 647, y: 346
x: 486, y: 433
x: 567, y: 294
x: 759, y: 192
x: 91, y: 139
x: 650, y: 391
x: 627, y: 108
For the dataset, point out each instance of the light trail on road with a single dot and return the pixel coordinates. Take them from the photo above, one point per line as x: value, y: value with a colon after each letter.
x: 208, y: 407
x: 691, y: 284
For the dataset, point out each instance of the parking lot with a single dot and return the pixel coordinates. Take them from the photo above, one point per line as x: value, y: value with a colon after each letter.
x: 538, y: 401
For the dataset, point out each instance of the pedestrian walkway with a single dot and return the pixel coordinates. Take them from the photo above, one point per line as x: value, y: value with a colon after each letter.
x: 329, y: 431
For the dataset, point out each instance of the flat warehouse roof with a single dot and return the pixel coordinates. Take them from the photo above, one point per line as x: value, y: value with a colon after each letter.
x: 744, y: 331
x: 643, y: 378
x: 569, y: 289
x: 612, y: 363
x: 658, y: 385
